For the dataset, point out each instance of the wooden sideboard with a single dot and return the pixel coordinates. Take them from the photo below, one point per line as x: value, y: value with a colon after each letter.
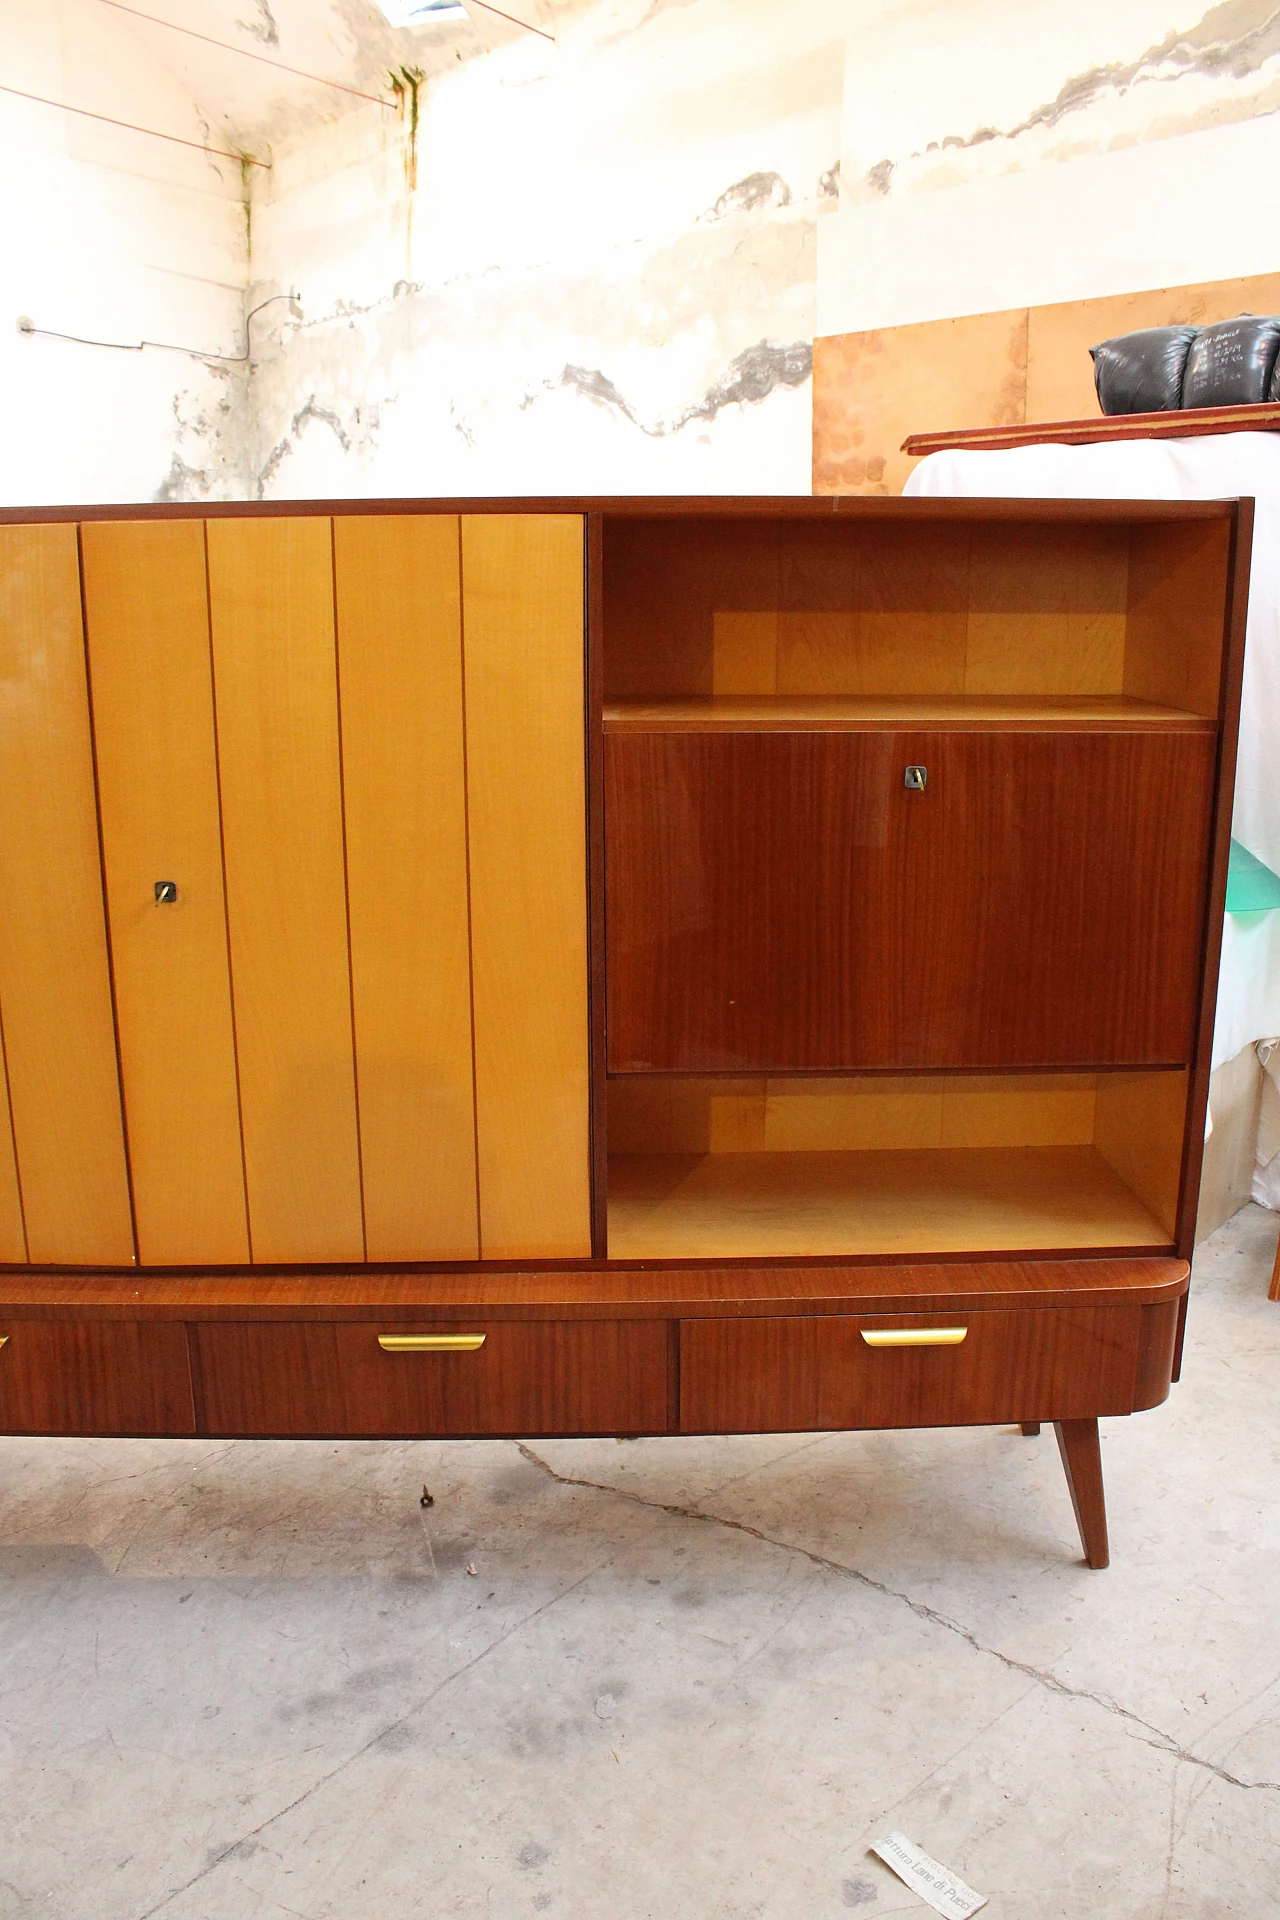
x: 592, y: 967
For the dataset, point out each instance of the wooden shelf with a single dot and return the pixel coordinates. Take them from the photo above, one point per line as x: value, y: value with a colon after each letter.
x: 804, y: 713
x: 942, y: 1200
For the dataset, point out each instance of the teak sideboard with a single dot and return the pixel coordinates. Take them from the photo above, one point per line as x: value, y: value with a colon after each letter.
x: 609, y: 967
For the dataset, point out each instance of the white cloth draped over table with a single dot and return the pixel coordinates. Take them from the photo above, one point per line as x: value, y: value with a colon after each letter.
x: 1221, y: 466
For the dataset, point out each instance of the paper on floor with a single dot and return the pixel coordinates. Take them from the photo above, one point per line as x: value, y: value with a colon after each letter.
x: 945, y: 1891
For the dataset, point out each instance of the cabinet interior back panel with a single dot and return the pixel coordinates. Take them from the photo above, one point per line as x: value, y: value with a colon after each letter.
x: 400, y: 672
x: 54, y: 982
x: 146, y: 607
x: 522, y: 591
x: 275, y: 682
x: 724, y: 607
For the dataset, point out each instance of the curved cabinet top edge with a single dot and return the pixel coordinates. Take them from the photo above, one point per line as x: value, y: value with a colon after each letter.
x: 586, y: 1291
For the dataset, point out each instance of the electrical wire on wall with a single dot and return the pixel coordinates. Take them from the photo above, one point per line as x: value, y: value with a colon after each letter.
x: 263, y: 59
x: 29, y: 330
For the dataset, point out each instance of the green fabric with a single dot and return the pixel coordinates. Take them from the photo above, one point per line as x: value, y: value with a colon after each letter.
x: 1251, y: 887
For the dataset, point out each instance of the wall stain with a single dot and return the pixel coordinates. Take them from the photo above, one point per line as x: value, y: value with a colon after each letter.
x: 285, y: 445
x: 182, y: 483
x: 406, y: 85
x: 744, y: 196
x: 749, y: 378
x: 264, y: 28
x: 1229, y: 42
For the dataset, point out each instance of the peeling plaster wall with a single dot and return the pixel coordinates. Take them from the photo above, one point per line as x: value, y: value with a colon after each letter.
x: 1017, y: 153
x: 600, y: 264
x: 603, y: 280
x: 113, y: 235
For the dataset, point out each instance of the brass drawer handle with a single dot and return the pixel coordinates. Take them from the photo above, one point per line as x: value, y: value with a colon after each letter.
x: 914, y: 1336
x: 430, y: 1342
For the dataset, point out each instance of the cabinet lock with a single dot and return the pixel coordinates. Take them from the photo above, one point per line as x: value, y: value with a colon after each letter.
x: 166, y: 892
x: 916, y: 779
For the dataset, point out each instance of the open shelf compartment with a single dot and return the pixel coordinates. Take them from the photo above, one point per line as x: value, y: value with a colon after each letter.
x: 710, y: 1168
x: 776, y: 621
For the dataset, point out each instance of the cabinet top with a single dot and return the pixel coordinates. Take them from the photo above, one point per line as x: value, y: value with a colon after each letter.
x: 661, y: 506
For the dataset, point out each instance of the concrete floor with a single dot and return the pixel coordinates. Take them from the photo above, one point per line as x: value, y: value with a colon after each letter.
x: 678, y: 1679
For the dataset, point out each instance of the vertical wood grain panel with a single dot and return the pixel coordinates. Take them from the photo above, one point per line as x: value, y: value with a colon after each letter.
x: 400, y: 672
x: 275, y: 682
x: 54, y: 980
x: 13, y: 1237
x: 522, y: 593
x: 147, y: 618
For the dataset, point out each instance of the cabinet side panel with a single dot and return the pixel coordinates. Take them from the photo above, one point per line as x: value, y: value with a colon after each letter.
x: 275, y: 681
x: 1177, y: 599
x: 147, y: 618
x: 1138, y: 1129
x: 54, y: 979
x: 400, y: 673
x: 522, y: 588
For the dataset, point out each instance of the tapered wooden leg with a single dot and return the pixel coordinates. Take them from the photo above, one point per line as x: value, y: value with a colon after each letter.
x: 1275, y: 1277
x: 1031, y: 1428
x: 1082, y: 1460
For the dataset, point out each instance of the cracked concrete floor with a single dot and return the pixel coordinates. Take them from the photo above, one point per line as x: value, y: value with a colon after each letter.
x: 687, y: 1678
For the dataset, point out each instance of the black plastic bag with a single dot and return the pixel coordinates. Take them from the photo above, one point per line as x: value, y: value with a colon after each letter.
x: 1142, y: 372
x: 1233, y: 363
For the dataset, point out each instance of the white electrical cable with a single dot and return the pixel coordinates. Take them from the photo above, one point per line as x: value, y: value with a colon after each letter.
x: 28, y: 328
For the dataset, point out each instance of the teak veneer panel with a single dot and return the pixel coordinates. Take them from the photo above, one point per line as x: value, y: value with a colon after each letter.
x: 398, y: 590
x: 275, y: 680
x: 801, y: 1374
x: 147, y: 620
x: 598, y: 1291
x: 55, y: 993
x: 812, y: 713
x: 523, y: 639
x: 96, y: 1377
x: 780, y: 902
x: 945, y: 1200
x: 577, y: 1376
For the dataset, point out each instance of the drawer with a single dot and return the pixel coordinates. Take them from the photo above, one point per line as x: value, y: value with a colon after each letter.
x: 789, y: 1374
x: 95, y: 1376
x: 525, y: 1378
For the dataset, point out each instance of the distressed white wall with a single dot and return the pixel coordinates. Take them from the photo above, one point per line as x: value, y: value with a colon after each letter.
x: 607, y: 268
x: 1010, y: 153
x: 115, y: 236
x: 603, y: 281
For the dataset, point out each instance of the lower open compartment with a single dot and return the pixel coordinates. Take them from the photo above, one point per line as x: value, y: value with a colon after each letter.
x: 714, y: 1168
